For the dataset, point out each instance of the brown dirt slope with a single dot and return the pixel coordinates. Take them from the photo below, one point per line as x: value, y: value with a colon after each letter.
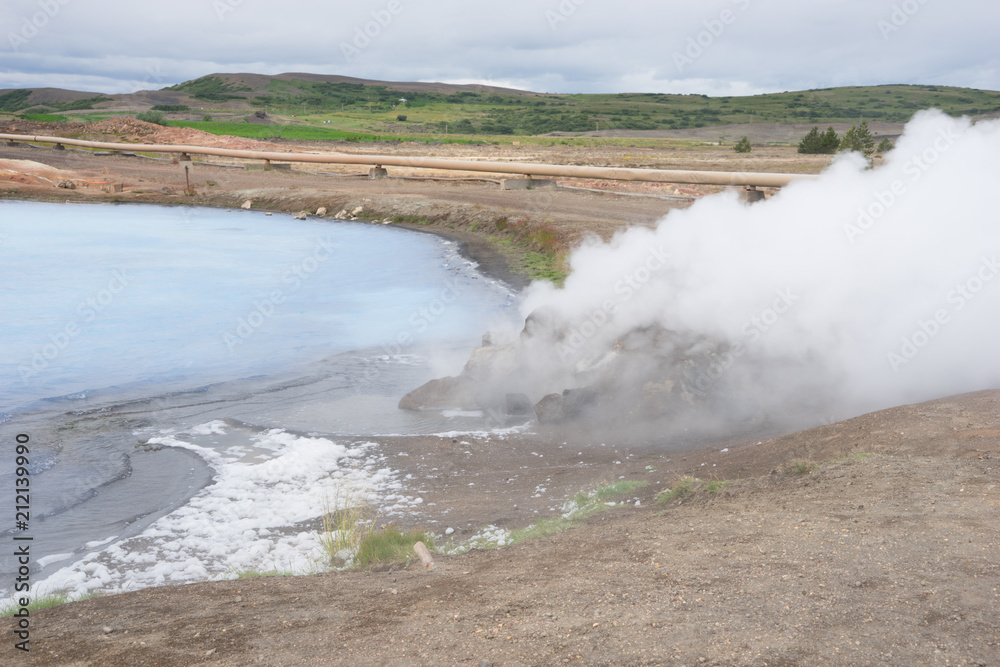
x: 812, y: 556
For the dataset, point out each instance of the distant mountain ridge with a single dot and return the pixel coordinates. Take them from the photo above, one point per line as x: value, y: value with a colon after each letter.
x: 262, y: 81
x: 257, y: 83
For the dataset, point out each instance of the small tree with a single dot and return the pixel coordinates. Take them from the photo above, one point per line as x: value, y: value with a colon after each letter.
x: 743, y: 145
x: 816, y: 143
x: 811, y: 142
x: 859, y: 138
x: 884, y: 146
x: 829, y: 142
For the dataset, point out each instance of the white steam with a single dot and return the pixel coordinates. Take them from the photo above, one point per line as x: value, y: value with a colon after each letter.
x: 870, y: 287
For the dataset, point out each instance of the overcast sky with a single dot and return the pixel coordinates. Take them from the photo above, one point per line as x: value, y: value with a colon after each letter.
x: 717, y: 47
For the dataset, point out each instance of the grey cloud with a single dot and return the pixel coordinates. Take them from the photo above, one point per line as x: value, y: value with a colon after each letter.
x: 549, y: 46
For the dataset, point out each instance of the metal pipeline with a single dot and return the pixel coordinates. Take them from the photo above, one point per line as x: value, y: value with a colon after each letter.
x: 757, y: 179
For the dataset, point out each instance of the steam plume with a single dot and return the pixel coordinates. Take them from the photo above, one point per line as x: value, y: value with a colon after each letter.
x: 863, y: 289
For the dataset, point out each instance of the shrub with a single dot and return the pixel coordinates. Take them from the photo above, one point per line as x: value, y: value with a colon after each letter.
x: 884, y: 146
x: 152, y: 117
x: 401, y: 118
x: 743, y: 146
x: 348, y: 520
x: 801, y: 468
x: 859, y: 138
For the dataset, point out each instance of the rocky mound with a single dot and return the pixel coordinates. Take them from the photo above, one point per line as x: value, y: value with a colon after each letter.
x: 123, y: 125
x: 649, y: 374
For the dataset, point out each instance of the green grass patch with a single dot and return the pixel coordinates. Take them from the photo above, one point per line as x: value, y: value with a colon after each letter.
x: 534, y: 264
x: 688, y: 488
x: 350, y: 538
x: 801, y: 468
x: 544, y: 266
x: 681, y: 491
x: 859, y: 457
x: 412, y: 220
x: 575, y: 510
x: 45, y: 117
x: 621, y: 488
x: 44, y: 602
x: 715, y: 486
x: 256, y: 131
x: 348, y: 519
x: 543, y: 528
x: 390, y: 545
x: 257, y: 574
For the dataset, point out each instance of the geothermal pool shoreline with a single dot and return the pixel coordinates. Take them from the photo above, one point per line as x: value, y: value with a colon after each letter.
x: 472, y: 246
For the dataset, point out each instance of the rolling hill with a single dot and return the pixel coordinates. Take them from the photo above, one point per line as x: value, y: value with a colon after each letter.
x: 411, y: 108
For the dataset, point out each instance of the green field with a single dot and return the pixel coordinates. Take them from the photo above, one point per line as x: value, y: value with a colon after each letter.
x: 254, y: 131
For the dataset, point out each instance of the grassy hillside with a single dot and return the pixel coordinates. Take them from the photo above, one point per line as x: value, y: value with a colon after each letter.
x: 379, y: 107
x: 332, y: 106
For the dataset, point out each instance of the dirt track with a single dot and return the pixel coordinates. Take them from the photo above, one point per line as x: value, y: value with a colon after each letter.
x: 886, y: 552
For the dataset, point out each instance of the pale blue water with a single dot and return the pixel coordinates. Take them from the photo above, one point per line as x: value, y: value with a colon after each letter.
x: 122, y: 323
x: 98, y: 296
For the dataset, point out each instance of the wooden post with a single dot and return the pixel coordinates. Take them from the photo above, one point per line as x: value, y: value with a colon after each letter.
x: 424, y: 554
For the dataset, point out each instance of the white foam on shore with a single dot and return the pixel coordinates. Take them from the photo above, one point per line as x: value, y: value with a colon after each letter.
x: 259, y: 513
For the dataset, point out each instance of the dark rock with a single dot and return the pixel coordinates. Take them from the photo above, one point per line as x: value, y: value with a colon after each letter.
x: 551, y: 409
x: 578, y: 400
x: 518, y: 404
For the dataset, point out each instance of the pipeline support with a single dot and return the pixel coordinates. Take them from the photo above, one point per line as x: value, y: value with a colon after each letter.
x: 730, y: 178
